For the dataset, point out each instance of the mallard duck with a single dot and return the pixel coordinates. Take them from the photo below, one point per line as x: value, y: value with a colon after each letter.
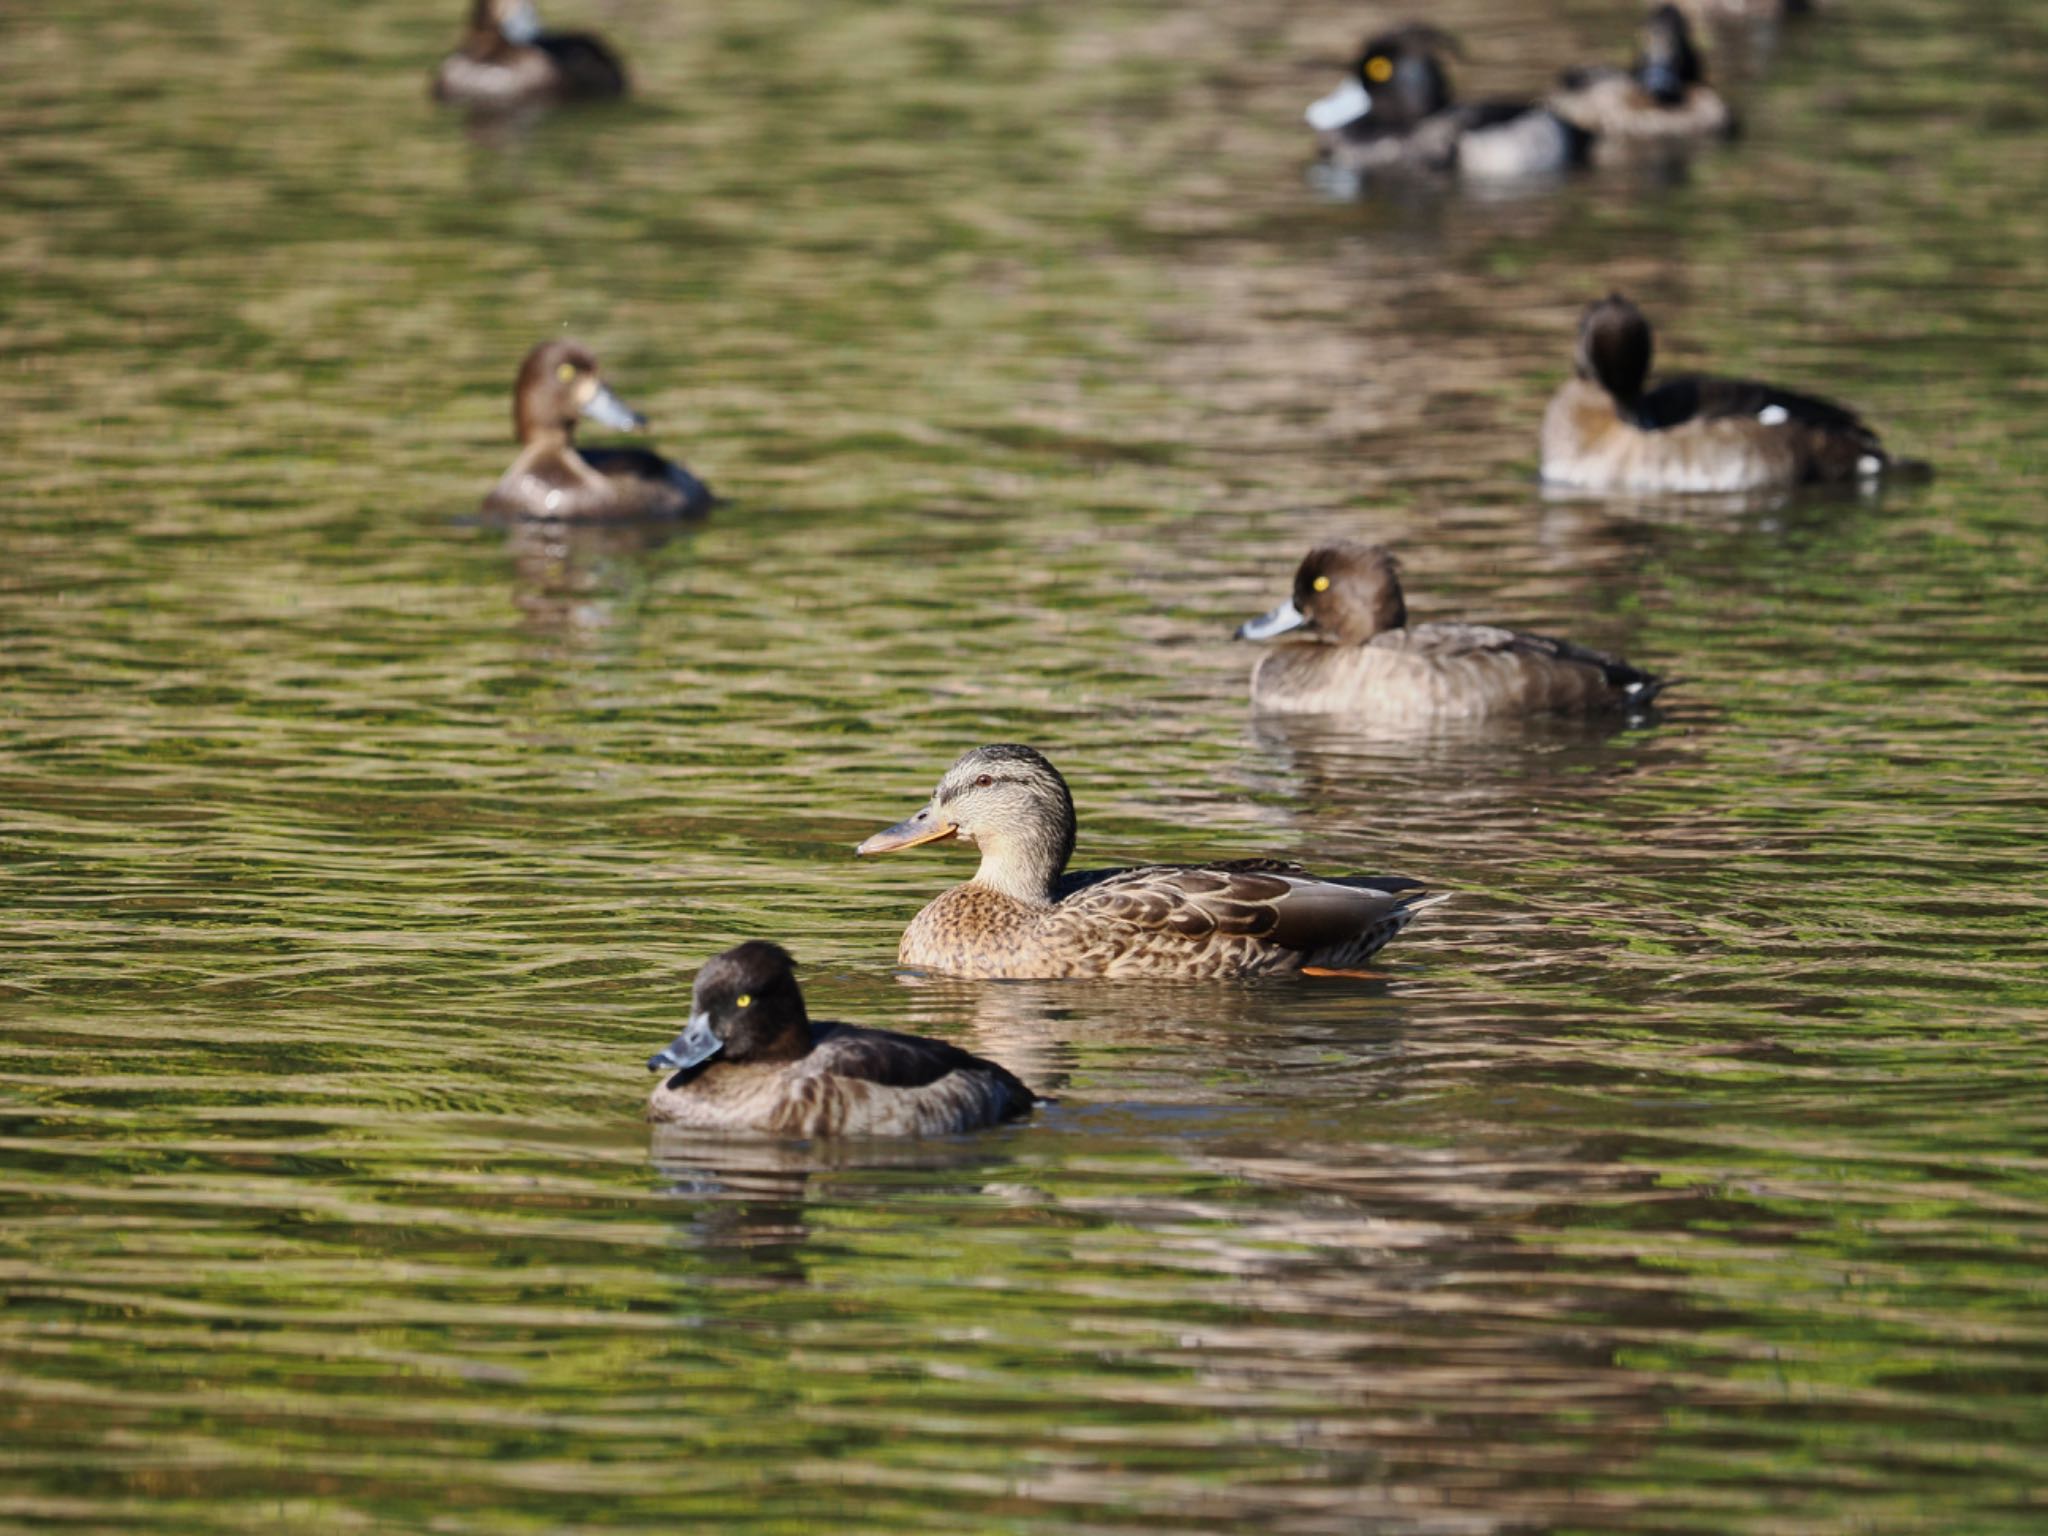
x: 506, y: 60
x: 1664, y: 96
x: 1394, y: 114
x: 1022, y: 915
x: 553, y: 478
x: 1606, y: 430
x: 752, y: 1060
x: 1377, y: 666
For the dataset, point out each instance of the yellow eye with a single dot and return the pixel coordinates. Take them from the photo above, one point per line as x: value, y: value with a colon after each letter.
x: 744, y: 1000
x: 1321, y: 583
x: 566, y: 372
x: 1379, y: 70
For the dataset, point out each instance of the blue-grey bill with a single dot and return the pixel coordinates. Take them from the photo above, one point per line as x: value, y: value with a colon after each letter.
x: 520, y: 24
x: 1278, y: 622
x: 696, y: 1043
x: 1346, y: 104
x: 608, y: 410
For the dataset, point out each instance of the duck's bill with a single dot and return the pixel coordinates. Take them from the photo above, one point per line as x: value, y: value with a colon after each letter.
x: 519, y: 22
x: 608, y: 410
x: 1345, y: 105
x: 1278, y: 622
x: 1663, y: 82
x: 696, y: 1043
x: 925, y: 827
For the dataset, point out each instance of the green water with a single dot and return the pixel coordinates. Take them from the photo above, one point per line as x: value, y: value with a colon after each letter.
x: 1688, y: 1172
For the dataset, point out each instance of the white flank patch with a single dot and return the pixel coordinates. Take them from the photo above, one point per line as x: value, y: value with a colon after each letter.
x: 1774, y: 415
x: 1346, y: 104
x: 1869, y: 464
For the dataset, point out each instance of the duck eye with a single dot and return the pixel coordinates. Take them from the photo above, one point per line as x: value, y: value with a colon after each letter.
x: 566, y: 372
x: 1321, y: 583
x: 984, y: 781
x: 744, y: 1000
x: 1379, y: 69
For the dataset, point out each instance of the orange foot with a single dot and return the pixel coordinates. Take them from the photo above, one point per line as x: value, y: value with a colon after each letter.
x: 1317, y: 970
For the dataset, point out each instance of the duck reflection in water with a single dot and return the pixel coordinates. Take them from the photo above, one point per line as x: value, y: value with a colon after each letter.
x: 1483, y: 783
x: 749, y: 1198
x: 580, y: 581
x: 1167, y: 1042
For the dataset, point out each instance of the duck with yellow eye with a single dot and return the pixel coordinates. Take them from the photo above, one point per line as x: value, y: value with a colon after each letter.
x: 752, y: 1061
x: 1362, y: 659
x: 554, y: 478
x: 1394, y: 115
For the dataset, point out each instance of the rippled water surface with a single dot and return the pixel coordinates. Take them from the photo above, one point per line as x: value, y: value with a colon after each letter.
x: 1687, y: 1172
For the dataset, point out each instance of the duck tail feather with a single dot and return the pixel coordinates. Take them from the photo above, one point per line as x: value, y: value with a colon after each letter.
x: 1642, y: 693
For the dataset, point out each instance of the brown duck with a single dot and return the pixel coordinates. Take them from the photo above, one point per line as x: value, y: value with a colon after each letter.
x: 1024, y: 915
x: 1607, y: 430
x: 1368, y: 661
x: 1663, y: 97
x: 554, y: 478
x: 751, y: 1060
x: 506, y: 60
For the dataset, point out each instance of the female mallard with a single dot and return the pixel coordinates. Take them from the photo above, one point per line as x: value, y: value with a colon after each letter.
x: 553, y: 478
x: 752, y: 1061
x: 506, y: 60
x: 1023, y: 916
x: 1663, y: 97
x: 1377, y: 666
x: 1606, y: 430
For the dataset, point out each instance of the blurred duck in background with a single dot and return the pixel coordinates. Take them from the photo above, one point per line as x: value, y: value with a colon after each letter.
x: 1663, y: 96
x: 1363, y: 659
x: 507, y: 61
x: 1607, y: 430
x: 1394, y: 114
x: 1710, y: 12
x: 553, y: 478
x: 752, y: 1061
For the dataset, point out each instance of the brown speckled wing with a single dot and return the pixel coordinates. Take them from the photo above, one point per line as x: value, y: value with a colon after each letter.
x: 1277, y: 904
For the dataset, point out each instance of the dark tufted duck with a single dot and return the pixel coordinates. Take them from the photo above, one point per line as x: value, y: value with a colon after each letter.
x: 751, y: 1060
x: 1394, y: 114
